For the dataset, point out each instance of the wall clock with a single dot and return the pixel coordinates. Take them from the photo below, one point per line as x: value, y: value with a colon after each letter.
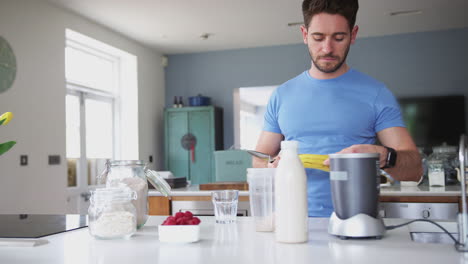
x: 7, y: 65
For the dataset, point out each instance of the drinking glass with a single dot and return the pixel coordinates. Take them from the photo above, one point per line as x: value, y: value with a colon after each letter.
x: 225, y: 205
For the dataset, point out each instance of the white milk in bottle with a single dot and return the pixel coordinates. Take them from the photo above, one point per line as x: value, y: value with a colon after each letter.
x: 290, y: 196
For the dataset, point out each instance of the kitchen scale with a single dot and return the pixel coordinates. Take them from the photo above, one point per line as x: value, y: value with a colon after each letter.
x: 36, y: 226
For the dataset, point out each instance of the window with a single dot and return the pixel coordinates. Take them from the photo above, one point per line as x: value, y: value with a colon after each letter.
x: 249, y: 109
x: 101, y: 96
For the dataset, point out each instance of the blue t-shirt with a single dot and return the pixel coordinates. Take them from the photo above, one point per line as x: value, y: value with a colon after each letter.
x: 326, y: 116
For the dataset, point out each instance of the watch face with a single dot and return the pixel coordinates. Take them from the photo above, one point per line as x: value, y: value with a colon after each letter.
x: 7, y: 65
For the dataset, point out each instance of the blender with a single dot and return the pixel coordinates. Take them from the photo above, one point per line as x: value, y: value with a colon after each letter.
x: 355, y: 189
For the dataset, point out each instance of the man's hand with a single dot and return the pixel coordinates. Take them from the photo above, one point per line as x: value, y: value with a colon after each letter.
x: 268, y: 143
x: 364, y: 148
x: 274, y: 164
x: 408, y: 165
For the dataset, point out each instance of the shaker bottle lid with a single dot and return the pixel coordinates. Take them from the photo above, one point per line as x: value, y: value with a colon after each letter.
x: 158, y: 182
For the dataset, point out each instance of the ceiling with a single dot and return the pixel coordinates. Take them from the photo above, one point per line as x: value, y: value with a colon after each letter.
x: 176, y: 26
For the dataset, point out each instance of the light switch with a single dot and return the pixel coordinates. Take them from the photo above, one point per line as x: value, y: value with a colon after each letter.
x: 54, y: 159
x: 24, y: 160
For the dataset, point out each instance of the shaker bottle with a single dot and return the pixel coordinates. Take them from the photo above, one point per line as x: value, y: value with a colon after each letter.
x: 261, y: 194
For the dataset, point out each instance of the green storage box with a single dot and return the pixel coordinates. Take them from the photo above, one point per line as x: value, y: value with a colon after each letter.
x: 231, y: 165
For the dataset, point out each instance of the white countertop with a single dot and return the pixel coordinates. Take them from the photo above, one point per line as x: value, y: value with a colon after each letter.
x: 232, y: 243
x: 397, y: 190
x: 192, y: 190
x: 420, y: 190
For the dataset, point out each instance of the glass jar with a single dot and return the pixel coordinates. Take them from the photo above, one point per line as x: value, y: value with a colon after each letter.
x: 444, y: 159
x: 111, y: 213
x: 134, y: 174
x: 425, y: 165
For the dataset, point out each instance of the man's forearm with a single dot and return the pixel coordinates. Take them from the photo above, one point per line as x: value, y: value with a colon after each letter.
x: 259, y: 163
x: 408, y: 166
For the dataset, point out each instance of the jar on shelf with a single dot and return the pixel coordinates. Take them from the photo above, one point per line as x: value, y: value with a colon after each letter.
x: 135, y: 175
x: 442, y: 164
x: 111, y: 213
x: 425, y: 166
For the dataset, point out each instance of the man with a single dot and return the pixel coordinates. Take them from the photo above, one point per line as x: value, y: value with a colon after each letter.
x: 332, y: 108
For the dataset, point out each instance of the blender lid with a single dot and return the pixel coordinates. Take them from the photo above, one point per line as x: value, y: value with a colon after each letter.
x: 353, y: 155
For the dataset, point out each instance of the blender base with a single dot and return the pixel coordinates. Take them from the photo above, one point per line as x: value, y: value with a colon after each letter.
x: 358, y: 226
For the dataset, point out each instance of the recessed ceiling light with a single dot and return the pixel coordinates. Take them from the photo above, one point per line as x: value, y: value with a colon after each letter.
x: 405, y: 13
x: 293, y: 24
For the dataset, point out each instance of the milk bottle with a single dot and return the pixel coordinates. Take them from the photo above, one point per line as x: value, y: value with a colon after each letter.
x: 290, y: 196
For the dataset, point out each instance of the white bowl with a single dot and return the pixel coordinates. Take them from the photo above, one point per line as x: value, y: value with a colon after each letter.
x: 179, y: 233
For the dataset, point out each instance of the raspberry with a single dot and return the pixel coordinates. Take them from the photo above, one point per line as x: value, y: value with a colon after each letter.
x: 179, y: 215
x: 188, y: 214
x: 196, y: 220
x: 180, y: 221
x: 169, y: 222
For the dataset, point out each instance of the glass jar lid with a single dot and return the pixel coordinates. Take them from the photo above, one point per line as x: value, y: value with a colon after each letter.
x: 444, y: 148
x: 158, y: 182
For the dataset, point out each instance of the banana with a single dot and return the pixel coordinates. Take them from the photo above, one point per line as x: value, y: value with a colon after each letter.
x: 314, y: 161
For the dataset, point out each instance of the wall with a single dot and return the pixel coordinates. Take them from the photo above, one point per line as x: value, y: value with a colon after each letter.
x: 36, y: 32
x: 429, y: 63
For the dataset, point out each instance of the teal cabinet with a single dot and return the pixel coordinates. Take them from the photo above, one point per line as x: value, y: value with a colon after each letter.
x: 192, y: 134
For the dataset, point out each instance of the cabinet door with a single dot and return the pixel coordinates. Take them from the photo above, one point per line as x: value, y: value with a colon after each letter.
x: 177, y: 158
x: 201, y: 126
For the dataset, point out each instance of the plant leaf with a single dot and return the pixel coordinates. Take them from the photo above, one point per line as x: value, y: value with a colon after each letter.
x: 4, y: 147
x: 1, y: 121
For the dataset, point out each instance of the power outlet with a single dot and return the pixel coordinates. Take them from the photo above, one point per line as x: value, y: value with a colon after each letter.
x: 54, y: 159
x: 24, y: 160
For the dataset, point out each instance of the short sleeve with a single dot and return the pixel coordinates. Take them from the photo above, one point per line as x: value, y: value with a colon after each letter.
x: 387, y: 111
x: 271, y: 115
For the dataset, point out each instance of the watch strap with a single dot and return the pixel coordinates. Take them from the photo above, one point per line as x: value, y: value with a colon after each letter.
x: 390, y: 160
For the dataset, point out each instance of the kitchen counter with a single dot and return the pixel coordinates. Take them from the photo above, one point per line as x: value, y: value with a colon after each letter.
x: 421, y: 190
x: 396, y: 190
x: 233, y: 243
x: 192, y: 190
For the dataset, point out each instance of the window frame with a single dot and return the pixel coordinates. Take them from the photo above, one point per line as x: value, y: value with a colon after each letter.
x: 83, y: 91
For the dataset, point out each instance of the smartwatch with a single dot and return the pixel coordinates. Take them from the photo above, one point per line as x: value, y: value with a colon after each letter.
x: 390, y: 161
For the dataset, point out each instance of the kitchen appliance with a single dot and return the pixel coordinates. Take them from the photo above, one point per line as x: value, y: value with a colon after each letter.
x: 35, y: 226
x: 355, y: 187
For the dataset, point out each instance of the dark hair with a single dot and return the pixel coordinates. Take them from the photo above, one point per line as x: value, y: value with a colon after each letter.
x: 347, y: 8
